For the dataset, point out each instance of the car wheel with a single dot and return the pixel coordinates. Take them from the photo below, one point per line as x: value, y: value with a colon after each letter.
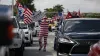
x: 12, y: 52
x: 19, y: 51
x: 58, y: 54
x: 31, y: 39
x: 55, y: 45
x: 6, y: 54
x: 36, y: 34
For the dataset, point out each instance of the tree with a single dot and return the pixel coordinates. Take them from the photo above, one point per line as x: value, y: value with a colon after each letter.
x: 58, y: 8
x: 49, y: 10
x: 28, y: 3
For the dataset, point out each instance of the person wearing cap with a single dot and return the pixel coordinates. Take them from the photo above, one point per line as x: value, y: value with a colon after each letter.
x: 43, y: 33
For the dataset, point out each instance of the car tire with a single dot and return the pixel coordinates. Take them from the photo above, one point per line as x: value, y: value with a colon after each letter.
x: 11, y: 52
x: 35, y: 34
x: 55, y: 45
x: 31, y: 39
x: 6, y: 54
x: 19, y: 51
x: 58, y: 53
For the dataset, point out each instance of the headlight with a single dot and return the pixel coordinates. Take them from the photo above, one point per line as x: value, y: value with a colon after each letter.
x: 64, y: 40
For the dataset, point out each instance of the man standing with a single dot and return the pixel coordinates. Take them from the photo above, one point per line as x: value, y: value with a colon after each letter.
x: 43, y: 33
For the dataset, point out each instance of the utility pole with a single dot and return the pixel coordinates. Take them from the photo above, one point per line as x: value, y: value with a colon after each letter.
x: 12, y: 7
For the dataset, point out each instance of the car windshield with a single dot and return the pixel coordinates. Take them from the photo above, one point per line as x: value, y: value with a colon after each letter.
x: 82, y: 26
x: 14, y: 23
x: 23, y: 26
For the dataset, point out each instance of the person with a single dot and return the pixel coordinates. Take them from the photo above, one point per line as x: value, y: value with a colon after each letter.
x: 43, y: 33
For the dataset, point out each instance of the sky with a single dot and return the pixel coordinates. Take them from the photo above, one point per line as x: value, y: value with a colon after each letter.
x: 71, y: 5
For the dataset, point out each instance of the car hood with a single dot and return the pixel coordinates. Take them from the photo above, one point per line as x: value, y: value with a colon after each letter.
x: 15, y: 30
x: 85, y: 35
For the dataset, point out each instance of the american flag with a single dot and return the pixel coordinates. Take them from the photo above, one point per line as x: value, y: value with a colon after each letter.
x: 27, y: 16
x: 20, y: 9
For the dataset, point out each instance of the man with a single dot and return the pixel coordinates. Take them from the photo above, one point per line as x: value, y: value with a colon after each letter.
x: 43, y: 33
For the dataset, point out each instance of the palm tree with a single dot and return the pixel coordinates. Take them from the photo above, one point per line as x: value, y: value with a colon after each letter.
x: 58, y: 8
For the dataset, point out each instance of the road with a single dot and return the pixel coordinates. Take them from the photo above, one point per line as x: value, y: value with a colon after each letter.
x: 33, y: 50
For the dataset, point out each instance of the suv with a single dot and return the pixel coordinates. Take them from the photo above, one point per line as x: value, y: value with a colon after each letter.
x: 76, y: 35
x: 36, y: 29
x: 17, y: 45
x: 27, y: 33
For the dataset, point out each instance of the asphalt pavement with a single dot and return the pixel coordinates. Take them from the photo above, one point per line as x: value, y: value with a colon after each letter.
x: 33, y: 50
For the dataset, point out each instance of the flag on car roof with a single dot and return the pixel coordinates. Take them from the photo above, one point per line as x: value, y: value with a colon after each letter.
x: 27, y: 15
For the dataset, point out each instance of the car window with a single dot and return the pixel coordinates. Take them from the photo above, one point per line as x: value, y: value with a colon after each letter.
x: 23, y: 26
x: 14, y: 23
x: 82, y: 26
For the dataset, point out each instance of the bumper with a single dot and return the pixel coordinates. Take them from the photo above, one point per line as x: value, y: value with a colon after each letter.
x: 16, y: 43
x: 80, y: 49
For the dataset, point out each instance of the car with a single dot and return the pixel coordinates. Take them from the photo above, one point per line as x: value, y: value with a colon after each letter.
x: 17, y: 45
x: 36, y: 29
x: 76, y: 35
x: 27, y: 32
x: 6, y: 34
x: 94, y: 49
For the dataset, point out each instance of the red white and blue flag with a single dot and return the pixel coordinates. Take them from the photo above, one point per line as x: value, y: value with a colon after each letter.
x: 20, y: 10
x: 27, y: 16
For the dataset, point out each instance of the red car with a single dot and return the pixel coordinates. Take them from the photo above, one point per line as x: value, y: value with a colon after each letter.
x: 95, y: 50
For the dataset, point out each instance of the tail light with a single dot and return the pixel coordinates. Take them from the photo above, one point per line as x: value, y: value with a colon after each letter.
x: 10, y: 32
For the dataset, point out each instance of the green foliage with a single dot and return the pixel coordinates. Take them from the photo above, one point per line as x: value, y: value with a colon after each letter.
x: 49, y: 10
x: 92, y: 15
x: 29, y: 4
x: 56, y: 8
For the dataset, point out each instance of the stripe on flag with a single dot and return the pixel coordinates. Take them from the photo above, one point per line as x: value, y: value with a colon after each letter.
x: 27, y: 21
x: 27, y: 16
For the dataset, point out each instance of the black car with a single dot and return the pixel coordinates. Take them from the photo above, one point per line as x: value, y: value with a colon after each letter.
x: 74, y: 36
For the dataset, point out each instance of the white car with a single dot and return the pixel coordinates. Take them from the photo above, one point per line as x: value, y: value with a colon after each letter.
x: 27, y: 32
x: 36, y: 29
x: 17, y: 45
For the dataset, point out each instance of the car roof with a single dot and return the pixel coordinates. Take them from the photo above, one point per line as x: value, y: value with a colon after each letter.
x: 83, y: 19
